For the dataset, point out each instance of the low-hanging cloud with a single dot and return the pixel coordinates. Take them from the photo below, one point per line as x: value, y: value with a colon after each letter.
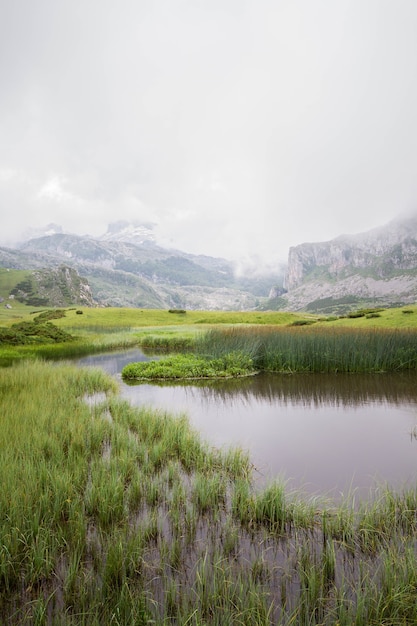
x: 239, y: 128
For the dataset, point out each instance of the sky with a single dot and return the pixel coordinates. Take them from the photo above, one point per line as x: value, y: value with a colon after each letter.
x: 238, y: 128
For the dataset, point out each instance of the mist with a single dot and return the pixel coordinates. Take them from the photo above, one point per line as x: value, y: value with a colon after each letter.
x: 238, y: 128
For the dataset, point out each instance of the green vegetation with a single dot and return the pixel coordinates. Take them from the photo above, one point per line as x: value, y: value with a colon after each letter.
x: 131, y: 519
x: 27, y: 333
x: 317, y: 348
x: 59, y: 286
x: 39, y: 331
x: 97, y: 330
x: 188, y: 366
x: 148, y: 318
x: 376, y: 340
x: 365, y: 313
x: 10, y: 278
x: 26, y: 291
x: 111, y: 514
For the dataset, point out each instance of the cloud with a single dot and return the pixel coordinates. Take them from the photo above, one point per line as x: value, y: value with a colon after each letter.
x: 53, y: 190
x: 238, y: 127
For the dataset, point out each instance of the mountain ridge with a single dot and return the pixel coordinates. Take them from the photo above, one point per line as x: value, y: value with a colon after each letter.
x: 126, y: 267
x: 122, y: 273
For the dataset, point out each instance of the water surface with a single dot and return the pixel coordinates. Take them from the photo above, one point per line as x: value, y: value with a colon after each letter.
x: 323, y: 433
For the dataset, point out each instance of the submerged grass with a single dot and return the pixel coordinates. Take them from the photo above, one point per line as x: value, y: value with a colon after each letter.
x: 121, y: 515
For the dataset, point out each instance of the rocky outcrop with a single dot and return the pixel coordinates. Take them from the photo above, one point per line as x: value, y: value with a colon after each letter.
x: 59, y: 286
x: 379, y: 267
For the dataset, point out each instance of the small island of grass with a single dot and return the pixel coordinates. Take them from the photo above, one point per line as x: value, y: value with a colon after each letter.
x: 190, y: 366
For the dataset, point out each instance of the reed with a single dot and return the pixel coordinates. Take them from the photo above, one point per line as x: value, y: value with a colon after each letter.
x: 316, y: 349
x: 209, y: 492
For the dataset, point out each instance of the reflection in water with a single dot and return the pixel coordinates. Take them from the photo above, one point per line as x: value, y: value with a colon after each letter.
x: 113, y: 362
x: 324, y: 433
x: 314, y: 390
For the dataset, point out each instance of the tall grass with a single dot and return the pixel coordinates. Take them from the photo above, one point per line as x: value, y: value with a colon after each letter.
x: 316, y: 349
x: 111, y: 514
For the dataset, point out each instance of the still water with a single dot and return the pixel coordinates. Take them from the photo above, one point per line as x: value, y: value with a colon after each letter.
x: 330, y: 434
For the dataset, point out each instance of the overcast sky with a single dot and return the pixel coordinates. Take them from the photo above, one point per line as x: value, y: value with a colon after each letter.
x: 238, y: 127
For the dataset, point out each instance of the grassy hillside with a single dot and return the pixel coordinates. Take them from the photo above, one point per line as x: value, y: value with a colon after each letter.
x: 47, y: 287
x: 10, y: 278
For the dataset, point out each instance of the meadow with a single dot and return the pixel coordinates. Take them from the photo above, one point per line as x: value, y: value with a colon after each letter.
x: 98, y: 330
x: 121, y: 515
x: 379, y: 340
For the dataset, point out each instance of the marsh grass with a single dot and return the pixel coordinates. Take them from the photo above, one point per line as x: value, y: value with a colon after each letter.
x: 316, y: 349
x: 121, y: 515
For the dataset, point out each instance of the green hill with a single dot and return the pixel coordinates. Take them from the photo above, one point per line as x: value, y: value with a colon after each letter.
x: 51, y: 287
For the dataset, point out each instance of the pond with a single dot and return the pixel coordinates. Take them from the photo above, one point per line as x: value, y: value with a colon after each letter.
x: 324, y: 434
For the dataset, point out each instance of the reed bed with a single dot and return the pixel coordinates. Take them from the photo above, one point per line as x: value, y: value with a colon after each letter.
x: 111, y: 514
x: 316, y: 349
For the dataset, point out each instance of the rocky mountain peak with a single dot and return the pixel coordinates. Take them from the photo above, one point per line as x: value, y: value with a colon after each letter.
x: 129, y: 232
x: 42, y: 231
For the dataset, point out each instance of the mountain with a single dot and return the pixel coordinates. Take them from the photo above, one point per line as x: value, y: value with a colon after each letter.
x: 49, y: 229
x: 375, y: 268
x: 125, y: 267
x: 129, y: 232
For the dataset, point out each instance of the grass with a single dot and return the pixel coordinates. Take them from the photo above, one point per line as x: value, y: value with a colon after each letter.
x: 156, y: 318
x: 188, y: 366
x: 131, y: 518
x: 316, y: 349
x: 9, y: 279
x: 97, y: 330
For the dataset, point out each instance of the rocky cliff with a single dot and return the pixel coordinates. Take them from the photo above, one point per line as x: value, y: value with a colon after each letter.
x: 376, y: 267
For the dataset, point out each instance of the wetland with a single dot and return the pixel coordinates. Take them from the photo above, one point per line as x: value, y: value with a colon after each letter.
x: 322, y: 433
x: 274, y: 499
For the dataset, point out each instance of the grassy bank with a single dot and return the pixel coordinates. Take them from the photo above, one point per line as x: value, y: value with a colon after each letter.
x: 115, y: 515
